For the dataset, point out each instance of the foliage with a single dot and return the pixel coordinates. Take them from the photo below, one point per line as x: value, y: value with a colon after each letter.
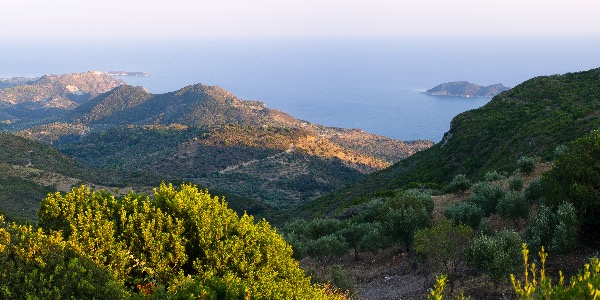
x: 437, y: 293
x: 533, y: 192
x: 486, y: 195
x: 363, y: 237
x: 575, y: 178
x: 460, y: 183
x: 445, y: 246
x: 526, y: 164
x: 515, y: 183
x: 493, y: 176
x: 497, y: 256
x: 585, y: 285
x: 34, y: 265
x: 530, y: 119
x: 152, y: 242
x: 564, y: 238
x: 513, y: 205
x: 465, y: 213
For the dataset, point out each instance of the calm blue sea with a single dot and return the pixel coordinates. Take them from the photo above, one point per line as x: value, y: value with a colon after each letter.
x: 370, y: 84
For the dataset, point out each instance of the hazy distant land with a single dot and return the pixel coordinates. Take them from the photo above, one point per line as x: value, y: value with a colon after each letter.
x: 466, y: 89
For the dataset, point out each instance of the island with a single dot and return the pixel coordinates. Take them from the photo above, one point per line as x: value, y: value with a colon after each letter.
x: 466, y: 89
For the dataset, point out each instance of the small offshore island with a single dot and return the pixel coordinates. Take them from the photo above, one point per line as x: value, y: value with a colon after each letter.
x: 466, y: 89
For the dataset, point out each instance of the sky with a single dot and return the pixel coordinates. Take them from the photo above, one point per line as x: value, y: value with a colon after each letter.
x: 100, y: 19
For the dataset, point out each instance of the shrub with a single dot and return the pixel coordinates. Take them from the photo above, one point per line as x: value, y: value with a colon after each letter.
x: 464, y: 213
x: 444, y: 245
x: 493, y: 176
x: 513, y: 206
x: 327, y: 247
x: 533, y: 192
x: 526, y: 164
x: 363, y: 237
x: 180, y: 234
x: 556, y: 231
x: 496, y: 256
x: 540, y: 228
x: 460, y: 183
x: 575, y: 178
x: 515, y: 183
x: 564, y: 238
x: 486, y: 195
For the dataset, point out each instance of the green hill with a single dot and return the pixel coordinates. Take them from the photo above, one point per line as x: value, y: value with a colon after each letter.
x: 531, y: 119
x: 206, y: 135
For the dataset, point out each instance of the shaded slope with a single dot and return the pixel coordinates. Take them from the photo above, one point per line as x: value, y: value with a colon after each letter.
x: 530, y: 119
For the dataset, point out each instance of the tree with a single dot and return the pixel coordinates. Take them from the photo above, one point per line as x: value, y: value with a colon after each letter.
x: 363, y: 237
x: 445, y: 246
x: 575, y: 178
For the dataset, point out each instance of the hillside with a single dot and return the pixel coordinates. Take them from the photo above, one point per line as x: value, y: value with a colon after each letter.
x: 206, y: 135
x: 531, y: 119
x: 28, y: 172
x: 466, y: 89
x: 49, y: 96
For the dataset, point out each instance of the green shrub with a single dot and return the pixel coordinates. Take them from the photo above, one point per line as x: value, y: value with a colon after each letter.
x: 515, y: 183
x: 496, y: 256
x: 526, y: 164
x: 575, y: 178
x: 540, y: 228
x: 513, y: 206
x: 363, y: 237
x: 493, y: 176
x: 459, y: 184
x: 178, y: 234
x: 560, y: 150
x: 533, y: 192
x: 327, y: 246
x: 564, y: 238
x: 486, y: 195
x: 444, y: 245
x: 465, y: 213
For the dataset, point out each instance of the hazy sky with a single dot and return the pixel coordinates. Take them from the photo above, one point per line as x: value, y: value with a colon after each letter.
x: 297, y: 18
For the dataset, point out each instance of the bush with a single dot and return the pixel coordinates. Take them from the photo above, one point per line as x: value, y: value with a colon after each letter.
x: 486, y: 195
x: 513, y: 206
x: 496, y: 256
x: 526, y: 164
x: 533, y: 192
x: 540, y: 228
x: 460, y: 183
x: 564, y: 238
x: 464, y: 213
x: 575, y: 178
x: 363, y: 237
x: 444, y: 245
x: 327, y: 246
x: 515, y: 183
x: 493, y: 176
x: 556, y: 231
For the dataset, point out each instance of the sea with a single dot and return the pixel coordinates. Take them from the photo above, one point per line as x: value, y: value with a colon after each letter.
x: 373, y: 84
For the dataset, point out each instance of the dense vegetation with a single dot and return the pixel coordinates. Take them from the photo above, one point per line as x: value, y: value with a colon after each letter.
x: 179, y: 243
x: 531, y: 119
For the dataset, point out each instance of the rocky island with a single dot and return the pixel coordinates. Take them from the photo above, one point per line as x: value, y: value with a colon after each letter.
x: 466, y: 89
